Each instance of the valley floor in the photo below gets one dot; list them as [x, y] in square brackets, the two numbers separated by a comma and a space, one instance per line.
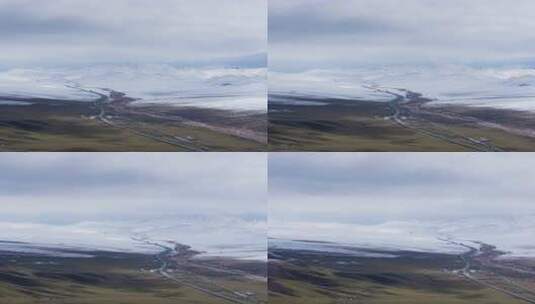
[407, 123]
[110, 277]
[300, 276]
[112, 123]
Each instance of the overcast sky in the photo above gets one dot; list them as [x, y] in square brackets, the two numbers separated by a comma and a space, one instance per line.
[64, 32]
[308, 34]
[374, 188]
[69, 187]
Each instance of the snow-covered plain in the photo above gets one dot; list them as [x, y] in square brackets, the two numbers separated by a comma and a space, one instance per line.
[507, 88]
[512, 235]
[213, 236]
[324, 84]
[237, 89]
[14, 103]
[346, 249]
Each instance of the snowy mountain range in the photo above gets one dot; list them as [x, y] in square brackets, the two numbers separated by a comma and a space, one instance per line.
[222, 236]
[513, 235]
[238, 89]
[510, 88]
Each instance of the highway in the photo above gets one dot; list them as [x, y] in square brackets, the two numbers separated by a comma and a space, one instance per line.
[407, 108]
[104, 101]
[181, 257]
[485, 273]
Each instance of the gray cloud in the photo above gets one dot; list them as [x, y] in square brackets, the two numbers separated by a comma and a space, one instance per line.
[83, 32]
[354, 33]
[91, 186]
[312, 24]
[15, 24]
[364, 188]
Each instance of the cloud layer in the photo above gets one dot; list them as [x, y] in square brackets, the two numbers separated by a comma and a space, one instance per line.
[341, 33]
[56, 188]
[376, 188]
[83, 32]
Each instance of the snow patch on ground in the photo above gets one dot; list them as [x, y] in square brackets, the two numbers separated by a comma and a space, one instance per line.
[220, 88]
[507, 88]
[391, 236]
[39, 84]
[346, 249]
[213, 236]
[14, 103]
[512, 235]
[43, 250]
[324, 84]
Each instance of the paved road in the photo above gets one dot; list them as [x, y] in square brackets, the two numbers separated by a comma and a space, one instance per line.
[402, 112]
[168, 253]
[104, 100]
[486, 277]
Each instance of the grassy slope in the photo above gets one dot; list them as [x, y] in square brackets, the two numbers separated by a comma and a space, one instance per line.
[375, 281]
[64, 128]
[109, 279]
[361, 126]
